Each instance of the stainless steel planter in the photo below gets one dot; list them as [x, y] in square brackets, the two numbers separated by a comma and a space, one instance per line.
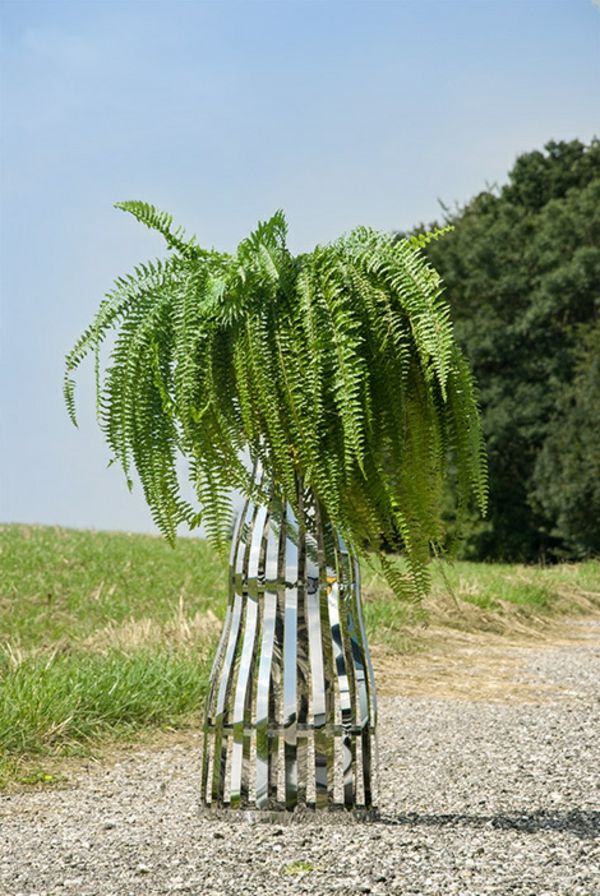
[291, 711]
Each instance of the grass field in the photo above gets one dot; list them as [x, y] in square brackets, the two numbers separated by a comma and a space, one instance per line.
[106, 636]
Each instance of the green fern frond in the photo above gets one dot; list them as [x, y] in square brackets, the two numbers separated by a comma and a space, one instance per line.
[161, 221]
[422, 240]
[336, 370]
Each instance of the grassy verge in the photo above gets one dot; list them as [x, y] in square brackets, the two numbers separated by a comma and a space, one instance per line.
[102, 636]
[106, 636]
[495, 597]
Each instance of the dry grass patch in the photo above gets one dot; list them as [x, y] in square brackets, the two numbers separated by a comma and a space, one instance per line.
[184, 630]
[456, 664]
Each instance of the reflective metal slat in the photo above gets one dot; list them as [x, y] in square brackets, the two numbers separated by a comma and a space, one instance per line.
[290, 641]
[247, 652]
[318, 708]
[236, 586]
[265, 663]
[302, 661]
[324, 744]
[343, 689]
[368, 711]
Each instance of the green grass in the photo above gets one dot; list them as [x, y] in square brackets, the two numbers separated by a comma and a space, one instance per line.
[562, 587]
[503, 591]
[109, 635]
[64, 584]
[299, 867]
[102, 635]
[77, 697]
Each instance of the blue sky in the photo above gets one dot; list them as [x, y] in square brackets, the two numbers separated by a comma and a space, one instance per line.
[341, 113]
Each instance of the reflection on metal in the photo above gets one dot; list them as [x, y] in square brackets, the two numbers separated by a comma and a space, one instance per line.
[291, 710]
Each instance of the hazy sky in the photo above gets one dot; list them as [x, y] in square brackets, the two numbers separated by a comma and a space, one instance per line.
[340, 112]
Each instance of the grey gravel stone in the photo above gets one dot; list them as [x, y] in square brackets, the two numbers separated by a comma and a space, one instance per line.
[476, 798]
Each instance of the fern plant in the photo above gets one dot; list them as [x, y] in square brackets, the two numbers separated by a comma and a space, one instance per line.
[336, 368]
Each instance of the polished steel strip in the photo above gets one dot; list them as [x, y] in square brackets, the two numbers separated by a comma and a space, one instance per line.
[318, 703]
[250, 716]
[276, 743]
[368, 713]
[209, 714]
[241, 584]
[262, 700]
[361, 697]
[326, 745]
[290, 642]
[210, 701]
[343, 689]
[361, 622]
[207, 766]
[247, 652]
[265, 663]
[207, 747]
[358, 654]
[220, 747]
[303, 669]
[345, 574]
[318, 707]
[219, 654]
[240, 700]
[256, 582]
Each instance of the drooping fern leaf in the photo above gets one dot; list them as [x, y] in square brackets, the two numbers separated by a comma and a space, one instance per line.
[336, 369]
[161, 221]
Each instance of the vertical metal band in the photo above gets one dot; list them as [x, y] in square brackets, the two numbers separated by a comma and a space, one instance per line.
[246, 656]
[210, 714]
[220, 750]
[276, 759]
[318, 706]
[302, 662]
[265, 662]
[210, 711]
[290, 641]
[262, 700]
[345, 579]
[220, 747]
[343, 690]
[368, 699]
[221, 646]
[327, 740]
[365, 644]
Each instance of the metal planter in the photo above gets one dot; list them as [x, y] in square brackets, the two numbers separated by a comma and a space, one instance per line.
[291, 710]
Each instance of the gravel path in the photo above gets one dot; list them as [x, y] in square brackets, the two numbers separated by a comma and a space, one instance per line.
[478, 797]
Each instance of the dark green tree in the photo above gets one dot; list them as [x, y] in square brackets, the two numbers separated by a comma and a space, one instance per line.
[567, 471]
[522, 272]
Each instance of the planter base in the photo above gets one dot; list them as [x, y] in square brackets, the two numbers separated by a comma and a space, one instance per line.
[305, 815]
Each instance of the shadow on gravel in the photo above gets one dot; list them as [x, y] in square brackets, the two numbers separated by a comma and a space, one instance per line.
[585, 825]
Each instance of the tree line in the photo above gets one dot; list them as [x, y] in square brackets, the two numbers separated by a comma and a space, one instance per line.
[522, 275]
